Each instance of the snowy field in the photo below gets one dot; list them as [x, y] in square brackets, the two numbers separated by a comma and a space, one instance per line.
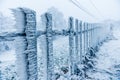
[108, 60]
[7, 65]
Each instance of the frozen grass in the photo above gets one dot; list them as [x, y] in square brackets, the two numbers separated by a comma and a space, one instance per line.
[108, 61]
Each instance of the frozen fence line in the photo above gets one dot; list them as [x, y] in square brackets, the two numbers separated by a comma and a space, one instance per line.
[85, 35]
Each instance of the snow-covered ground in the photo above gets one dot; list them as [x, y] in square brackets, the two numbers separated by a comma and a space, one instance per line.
[7, 64]
[108, 60]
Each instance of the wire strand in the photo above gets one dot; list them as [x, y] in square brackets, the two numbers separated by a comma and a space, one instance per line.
[96, 8]
[83, 9]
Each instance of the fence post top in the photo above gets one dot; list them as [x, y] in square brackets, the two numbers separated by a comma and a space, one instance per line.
[76, 19]
[47, 14]
[84, 24]
[48, 17]
[24, 10]
[71, 18]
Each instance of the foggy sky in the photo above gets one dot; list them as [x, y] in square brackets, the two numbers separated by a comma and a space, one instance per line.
[108, 9]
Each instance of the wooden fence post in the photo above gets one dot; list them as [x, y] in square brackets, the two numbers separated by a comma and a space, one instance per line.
[95, 35]
[94, 39]
[92, 32]
[87, 37]
[31, 49]
[71, 45]
[81, 53]
[76, 41]
[84, 39]
[49, 43]
[92, 35]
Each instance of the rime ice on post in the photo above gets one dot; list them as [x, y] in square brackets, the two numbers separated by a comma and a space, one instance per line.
[76, 41]
[20, 45]
[87, 37]
[84, 25]
[49, 41]
[26, 46]
[71, 46]
[80, 26]
[91, 34]
[31, 52]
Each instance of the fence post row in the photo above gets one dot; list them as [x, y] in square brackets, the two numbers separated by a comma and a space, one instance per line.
[84, 36]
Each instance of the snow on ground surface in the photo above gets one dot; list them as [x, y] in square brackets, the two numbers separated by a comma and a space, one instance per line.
[108, 60]
[7, 65]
